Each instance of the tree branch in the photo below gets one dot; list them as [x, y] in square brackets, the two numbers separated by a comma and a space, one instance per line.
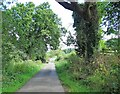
[66, 5]
[73, 6]
[77, 8]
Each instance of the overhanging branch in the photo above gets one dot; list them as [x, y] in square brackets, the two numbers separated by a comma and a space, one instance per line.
[66, 5]
[77, 8]
[73, 6]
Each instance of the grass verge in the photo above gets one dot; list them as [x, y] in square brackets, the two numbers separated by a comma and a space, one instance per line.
[101, 76]
[66, 78]
[21, 74]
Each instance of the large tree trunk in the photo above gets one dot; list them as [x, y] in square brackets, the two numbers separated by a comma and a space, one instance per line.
[86, 23]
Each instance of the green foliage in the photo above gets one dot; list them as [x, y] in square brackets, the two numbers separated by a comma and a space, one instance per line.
[30, 29]
[111, 17]
[113, 44]
[73, 58]
[10, 52]
[109, 14]
[66, 76]
[69, 50]
[102, 75]
[27, 31]
[102, 45]
[38, 62]
[57, 54]
[70, 39]
[16, 74]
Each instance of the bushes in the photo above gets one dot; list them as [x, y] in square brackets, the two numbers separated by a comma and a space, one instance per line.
[108, 68]
[57, 54]
[73, 58]
[38, 62]
[101, 75]
[25, 67]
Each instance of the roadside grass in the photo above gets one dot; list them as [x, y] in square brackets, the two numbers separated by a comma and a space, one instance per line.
[20, 74]
[101, 76]
[67, 80]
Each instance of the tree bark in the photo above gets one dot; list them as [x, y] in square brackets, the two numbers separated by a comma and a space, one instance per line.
[87, 15]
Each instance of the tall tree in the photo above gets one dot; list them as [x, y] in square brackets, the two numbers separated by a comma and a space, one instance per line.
[86, 23]
[30, 29]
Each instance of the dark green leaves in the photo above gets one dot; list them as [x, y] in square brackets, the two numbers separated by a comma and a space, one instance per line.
[111, 17]
[30, 29]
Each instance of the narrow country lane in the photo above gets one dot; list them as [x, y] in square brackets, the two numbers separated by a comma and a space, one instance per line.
[45, 81]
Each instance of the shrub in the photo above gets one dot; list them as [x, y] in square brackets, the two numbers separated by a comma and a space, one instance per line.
[101, 75]
[38, 62]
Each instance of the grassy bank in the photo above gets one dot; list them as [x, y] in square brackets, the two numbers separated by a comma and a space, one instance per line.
[66, 78]
[102, 75]
[16, 74]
